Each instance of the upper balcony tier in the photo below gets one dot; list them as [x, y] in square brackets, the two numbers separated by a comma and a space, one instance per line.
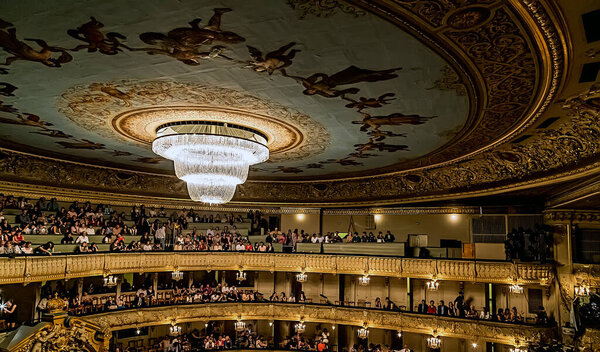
[58, 267]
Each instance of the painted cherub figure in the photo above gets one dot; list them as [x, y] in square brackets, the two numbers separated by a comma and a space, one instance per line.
[91, 33]
[21, 51]
[272, 61]
[395, 119]
[325, 85]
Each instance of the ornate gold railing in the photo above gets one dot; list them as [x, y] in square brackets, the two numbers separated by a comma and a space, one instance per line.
[42, 268]
[409, 322]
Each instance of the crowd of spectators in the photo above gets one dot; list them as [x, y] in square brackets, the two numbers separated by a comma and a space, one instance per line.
[291, 238]
[156, 229]
[463, 309]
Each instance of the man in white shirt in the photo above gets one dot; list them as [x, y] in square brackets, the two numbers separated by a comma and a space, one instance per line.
[240, 247]
[90, 230]
[83, 238]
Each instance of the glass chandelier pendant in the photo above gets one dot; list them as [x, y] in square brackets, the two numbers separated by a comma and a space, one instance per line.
[211, 157]
[434, 342]
[240, 326]
[363, 332]
[110, 281]
[301, 277]
[300, 327]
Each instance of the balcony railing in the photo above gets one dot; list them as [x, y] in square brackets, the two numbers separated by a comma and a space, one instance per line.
[60, 267]
[506, 333]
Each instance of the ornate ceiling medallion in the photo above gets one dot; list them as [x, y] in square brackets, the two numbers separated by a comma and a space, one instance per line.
[129, 110]
[211, 157]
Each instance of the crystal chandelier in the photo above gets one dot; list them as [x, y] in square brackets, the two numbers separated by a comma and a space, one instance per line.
[434, 342]
[363, 332]
[211, 157]
[364, 280]
[175, 330]
[582, 290]
[110, 281]
[240, 276]
[516, 288]
[300, 327]
[240, 325]
[433, 285]
[301, 277]
[177, 275]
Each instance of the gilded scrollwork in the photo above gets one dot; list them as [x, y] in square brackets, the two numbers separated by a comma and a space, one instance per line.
[408, 322]
[324, 8]
[57, 267]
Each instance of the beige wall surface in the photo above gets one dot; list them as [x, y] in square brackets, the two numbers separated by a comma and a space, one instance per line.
[307, 222]
[437, 226]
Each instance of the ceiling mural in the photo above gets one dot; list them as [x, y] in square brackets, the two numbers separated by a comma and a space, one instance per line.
[370, 95]
[402, 101]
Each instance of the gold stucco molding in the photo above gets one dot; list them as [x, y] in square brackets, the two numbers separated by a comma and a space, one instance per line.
[408, 322]
[63, 267]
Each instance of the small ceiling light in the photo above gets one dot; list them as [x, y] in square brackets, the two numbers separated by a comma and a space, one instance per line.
[399, 334]
[474, 344]
[300, 216]
[301, 277]
[453, 217]
[138, 331]
[270, 323]
[364, 280]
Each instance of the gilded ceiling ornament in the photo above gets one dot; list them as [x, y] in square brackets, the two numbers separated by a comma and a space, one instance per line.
[272, 61]
[450, 81]
[131, 111]
[323, 8]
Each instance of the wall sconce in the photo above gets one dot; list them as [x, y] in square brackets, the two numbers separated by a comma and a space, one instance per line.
[300, 217]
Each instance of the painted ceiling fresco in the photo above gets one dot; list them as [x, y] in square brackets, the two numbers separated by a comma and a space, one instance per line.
[356, 92]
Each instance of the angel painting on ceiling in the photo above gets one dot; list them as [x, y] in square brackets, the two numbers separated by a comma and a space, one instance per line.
[91, 33]
[20, 50]
[326, 85]
[186, 44]
[272, 61]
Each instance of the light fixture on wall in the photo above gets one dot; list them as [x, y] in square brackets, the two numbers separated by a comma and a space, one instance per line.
[240, 276]
[110, 281]
[364, 280]
[211, 157]
[433, 285]
[517, 349]
[300, 327]
[301, 277]
[582, 290]
[516, 289]
[240, 325]
[434, 342]
[177, 275]
[300, 217]
[363, 332]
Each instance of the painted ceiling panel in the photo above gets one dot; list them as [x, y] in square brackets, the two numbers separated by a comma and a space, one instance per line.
[366, 90]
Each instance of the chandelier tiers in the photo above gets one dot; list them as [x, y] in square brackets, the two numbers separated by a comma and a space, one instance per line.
[211, 157]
